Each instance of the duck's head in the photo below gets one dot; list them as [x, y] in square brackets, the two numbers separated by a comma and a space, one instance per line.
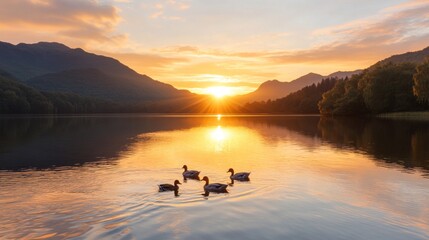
[231, 170]
[177, 182]
[185, 167]
[205, 178]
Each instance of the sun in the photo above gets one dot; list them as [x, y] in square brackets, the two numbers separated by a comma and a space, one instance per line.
[219, 91]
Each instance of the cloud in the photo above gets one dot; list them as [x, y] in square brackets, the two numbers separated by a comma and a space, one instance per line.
[194, 74]
[146, 61]
[225, 67]
[67, 20]
[253, 58]
[396, 29]
[165, 9]
[393, 30]
[178, 49]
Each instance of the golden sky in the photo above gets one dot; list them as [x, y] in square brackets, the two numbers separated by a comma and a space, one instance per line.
[234, 44]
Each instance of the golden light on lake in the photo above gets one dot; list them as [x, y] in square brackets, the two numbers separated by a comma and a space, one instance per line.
[219, 134]
[219, 137]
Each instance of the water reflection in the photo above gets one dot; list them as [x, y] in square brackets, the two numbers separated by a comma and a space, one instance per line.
[72, 141]
[46, 142]
[390, 142]
[96, 177]
[220, 137]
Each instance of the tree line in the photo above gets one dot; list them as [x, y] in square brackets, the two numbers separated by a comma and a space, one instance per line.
[17, 98]
[383, 88]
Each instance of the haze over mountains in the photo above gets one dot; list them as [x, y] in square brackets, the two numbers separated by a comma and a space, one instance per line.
[57, 68]
[274, 89]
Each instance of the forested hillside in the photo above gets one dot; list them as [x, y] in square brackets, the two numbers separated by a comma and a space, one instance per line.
[18, 98]
[385, 87]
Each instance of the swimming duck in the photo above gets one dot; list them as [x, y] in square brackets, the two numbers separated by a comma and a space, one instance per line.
[242, 176]
[190, 173]
[214, 187]
[168, 187]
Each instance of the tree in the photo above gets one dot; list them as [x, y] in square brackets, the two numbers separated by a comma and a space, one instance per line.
[421, 82]
[344, 99]
[388, 87]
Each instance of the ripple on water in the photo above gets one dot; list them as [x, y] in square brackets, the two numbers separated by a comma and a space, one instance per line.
[299, 188]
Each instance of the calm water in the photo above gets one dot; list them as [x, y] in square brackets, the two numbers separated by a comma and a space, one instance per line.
[96, 177]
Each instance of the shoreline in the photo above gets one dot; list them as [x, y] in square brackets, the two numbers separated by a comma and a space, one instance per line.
[418, 116]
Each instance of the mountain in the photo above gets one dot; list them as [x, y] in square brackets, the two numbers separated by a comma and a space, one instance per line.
[17, 97]
[413, 57]
[275, 89]
[56, 67]
[93, 82]
[303, 101]
[341, 74]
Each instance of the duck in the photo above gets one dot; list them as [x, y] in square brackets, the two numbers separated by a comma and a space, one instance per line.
[190, 173]
[168, 187]
[241, 176]
[214, 187]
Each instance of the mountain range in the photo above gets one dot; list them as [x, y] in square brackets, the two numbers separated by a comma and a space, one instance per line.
[57, 68]
[275, 89]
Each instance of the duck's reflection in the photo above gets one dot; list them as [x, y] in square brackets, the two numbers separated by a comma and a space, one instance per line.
[206, 193]
[231, 183]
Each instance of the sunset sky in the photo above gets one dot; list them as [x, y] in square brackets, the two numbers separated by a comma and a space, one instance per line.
[237, 44]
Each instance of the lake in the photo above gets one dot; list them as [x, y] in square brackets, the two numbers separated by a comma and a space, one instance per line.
[96, 177]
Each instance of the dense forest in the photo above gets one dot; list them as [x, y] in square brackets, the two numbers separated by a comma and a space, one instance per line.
[17, 98]
[382, 88]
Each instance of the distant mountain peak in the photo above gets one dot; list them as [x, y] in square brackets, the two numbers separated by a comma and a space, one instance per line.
[274, 89]
[268, 83]
[311, 74]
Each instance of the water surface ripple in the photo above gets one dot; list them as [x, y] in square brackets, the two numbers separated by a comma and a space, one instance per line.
[87, 177]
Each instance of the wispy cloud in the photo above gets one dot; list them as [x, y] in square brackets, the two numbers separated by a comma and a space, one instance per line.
[76, 21]
[165, 9]
[394, 30]
[146, 63]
